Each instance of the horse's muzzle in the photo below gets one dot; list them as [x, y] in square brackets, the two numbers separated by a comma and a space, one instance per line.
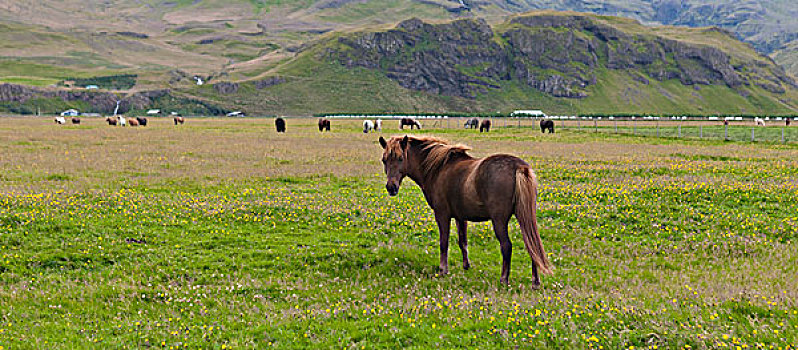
[392, 189]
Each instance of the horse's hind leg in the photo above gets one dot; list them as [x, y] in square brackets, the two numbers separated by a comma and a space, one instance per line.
[462, 240]
[500, 229]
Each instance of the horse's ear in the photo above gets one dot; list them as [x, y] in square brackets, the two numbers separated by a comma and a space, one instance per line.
[383, 143]
[403, 143]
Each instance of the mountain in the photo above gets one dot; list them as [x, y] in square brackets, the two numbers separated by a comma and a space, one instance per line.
[276, 56]
[563, 61]
[214, 35]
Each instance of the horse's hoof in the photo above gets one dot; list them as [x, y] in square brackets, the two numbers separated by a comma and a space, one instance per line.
[536, 285]
[504, 281]
[443, 272]
[466, 265]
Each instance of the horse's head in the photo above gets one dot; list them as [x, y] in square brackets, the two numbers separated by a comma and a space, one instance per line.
[394, 159]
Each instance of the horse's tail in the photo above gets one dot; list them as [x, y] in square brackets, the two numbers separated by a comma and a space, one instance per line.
[526, 193]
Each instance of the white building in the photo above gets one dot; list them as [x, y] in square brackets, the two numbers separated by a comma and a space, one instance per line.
[70, 113]
[532, 113]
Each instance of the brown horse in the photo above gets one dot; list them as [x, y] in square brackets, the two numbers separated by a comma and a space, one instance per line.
[75, 120]
[547, 124]
[179, 120]
[409, 122]
[111, 121]
[460, 187]
[132, 121]
[324, 124]
[485, 126]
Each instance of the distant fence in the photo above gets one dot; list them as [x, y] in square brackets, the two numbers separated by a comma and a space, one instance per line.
[731, 128]
[775, 129]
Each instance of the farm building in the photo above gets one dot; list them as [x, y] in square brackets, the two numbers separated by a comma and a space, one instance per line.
[154, 112]
[533, 113]
[70, 113]
[92, 87]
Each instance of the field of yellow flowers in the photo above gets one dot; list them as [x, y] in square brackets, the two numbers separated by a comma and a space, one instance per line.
[222, 234]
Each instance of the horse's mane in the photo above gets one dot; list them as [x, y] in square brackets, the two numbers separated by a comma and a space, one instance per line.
[436, 152]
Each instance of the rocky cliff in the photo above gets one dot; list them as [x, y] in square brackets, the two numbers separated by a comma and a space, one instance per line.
[101, 102]
[26, 100]
[560, 55]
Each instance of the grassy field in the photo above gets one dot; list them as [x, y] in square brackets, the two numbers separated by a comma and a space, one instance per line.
[223, 234]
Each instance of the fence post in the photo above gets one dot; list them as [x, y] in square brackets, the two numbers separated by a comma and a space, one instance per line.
[615, 122]
[700, 131]
[680, 131]
[634, 126]
[752, 134]
[782, 135]
[595, 125]
[726, 132]
[657, 127]
[578, 124]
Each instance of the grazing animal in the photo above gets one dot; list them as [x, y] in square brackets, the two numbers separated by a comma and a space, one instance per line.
[759, 121]
[122, 120]
[378, 124]
[132, 122]
[460, 187]
[280, 124]
[787, 122]
[111, 121]
[142, 121]
[368, 125]
[324, 124]
[471, 123]
[76, 120]
[547, 124]
[485, 126]
[179, 120]
[60, 120]
[410, 122]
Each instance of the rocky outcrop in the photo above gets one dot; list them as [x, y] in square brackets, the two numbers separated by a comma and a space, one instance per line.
[555, 54]
[101, 102]
[432, 58]
[226, 88]
[270, 81]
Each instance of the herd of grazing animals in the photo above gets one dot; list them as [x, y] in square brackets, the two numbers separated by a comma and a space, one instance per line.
[119, 120]
[324, 123]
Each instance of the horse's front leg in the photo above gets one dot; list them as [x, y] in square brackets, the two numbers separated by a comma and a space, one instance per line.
[444, 223]
[462, 240]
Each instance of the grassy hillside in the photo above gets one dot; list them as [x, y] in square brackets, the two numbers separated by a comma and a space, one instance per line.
[787, 57]
[767, 24]
[314, 84]
[245, 41]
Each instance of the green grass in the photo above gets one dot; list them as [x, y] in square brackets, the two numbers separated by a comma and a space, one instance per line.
[294, 243]
[21, 70]
[30, 81]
